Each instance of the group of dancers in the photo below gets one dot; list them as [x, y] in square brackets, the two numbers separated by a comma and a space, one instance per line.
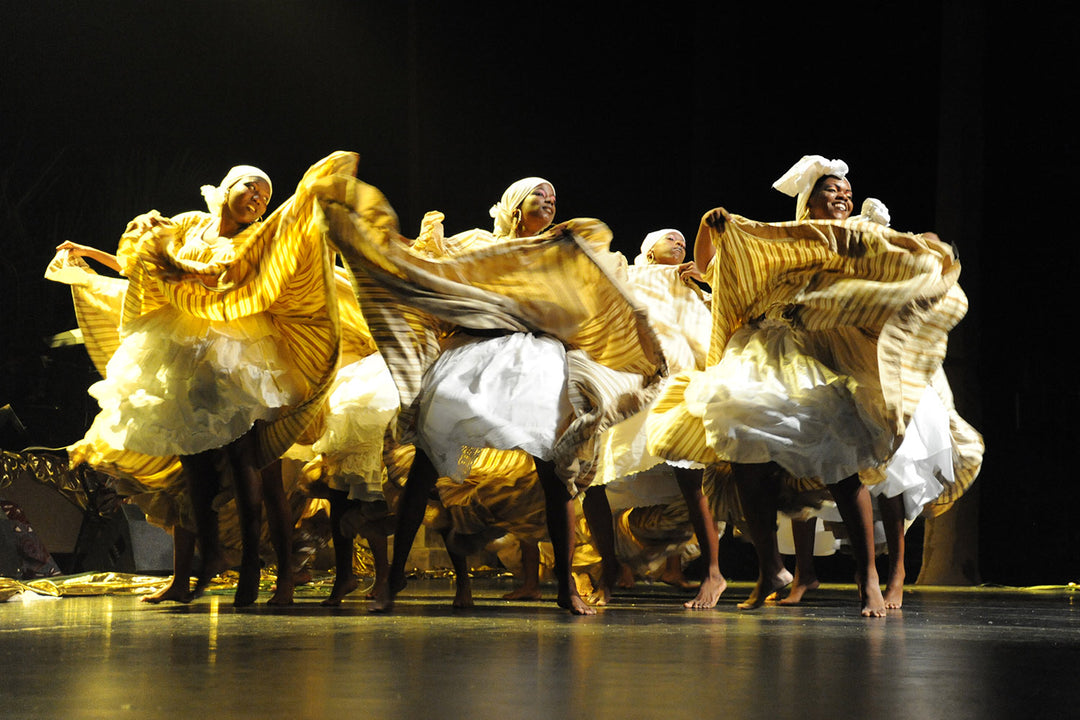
[787, 370]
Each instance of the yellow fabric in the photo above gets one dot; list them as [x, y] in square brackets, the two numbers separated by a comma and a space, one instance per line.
[557, 283]
[502, 491]
[878, 303]
[280, 267]
[679, 313]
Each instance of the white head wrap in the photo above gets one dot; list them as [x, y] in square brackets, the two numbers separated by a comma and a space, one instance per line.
[503, 211]
[874, 209]
[215, 196]
[799, 180]
[650, 240]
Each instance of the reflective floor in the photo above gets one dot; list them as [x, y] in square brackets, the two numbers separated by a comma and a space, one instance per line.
[948, 654]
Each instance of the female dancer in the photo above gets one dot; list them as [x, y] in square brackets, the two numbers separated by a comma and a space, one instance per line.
[938, 443]
[345, 464]
[825, 333]
[156, 485]
[453, 316]
[679, 313]
[229, 342]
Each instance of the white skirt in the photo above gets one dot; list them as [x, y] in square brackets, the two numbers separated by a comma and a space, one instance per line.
[178, 385]
[362, 402]
[917, 472]
[770, 399]
[923, 463]
[505, 393]
[624, 454]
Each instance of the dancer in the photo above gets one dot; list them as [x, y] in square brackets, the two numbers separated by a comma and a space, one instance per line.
[229, 340]
[938, 443]
[825, 333]
[345, 464]
[156, 485]
[455, 318]
[679, 313]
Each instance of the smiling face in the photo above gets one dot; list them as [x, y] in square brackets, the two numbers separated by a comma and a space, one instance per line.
[830, 199]
[246, 201]
[537, 211]
[668, 250]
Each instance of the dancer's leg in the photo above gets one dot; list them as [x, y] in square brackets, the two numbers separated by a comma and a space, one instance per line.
[597, 511]
[854, 503]
[280, 521]
[803, 533]
[701, 518]
[249, 498]
[344, 579]
[179, 587]
[560, 520]
[530, 573]
[759, 489]
[410, 515]
[462, 579]
[203, 486]
[892, 516]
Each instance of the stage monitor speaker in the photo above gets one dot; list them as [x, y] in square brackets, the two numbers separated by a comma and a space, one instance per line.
[122, 542]
[10, 564]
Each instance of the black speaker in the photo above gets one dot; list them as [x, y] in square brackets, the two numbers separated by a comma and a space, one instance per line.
[122, 542]
[10, 565]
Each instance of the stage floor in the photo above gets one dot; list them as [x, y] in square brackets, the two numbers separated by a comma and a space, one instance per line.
[947, 654]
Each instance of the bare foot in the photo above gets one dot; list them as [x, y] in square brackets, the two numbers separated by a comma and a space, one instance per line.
[575, 604]
[765, 587]
[384, 596]
[247, 588]
[283, 593]
[708, 593]
[210, 570]
[175, 591]
[463, 596]
[873, 604]
[679, 582]
[610, 573]
[376, 587]
[894, 590]
[343, 585]
[600, 597]
[525, 592]
[673, 575]
[798, 589]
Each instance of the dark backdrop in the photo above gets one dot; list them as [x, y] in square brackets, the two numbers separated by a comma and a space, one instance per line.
[954, 113]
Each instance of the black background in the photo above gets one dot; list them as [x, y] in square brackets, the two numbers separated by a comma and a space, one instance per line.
[958, 115]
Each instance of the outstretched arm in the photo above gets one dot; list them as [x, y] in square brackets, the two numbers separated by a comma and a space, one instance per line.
[100, 256]
[712, 223]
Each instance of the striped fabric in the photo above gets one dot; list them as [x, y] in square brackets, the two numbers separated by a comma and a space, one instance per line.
[877, 303]
[558, 284]
[280, 267]
[502, 491]
[679, 313]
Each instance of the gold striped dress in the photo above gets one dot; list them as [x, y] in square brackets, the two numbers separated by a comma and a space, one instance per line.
[825, 336]
[679, 313]
[558, 287]
[219, 333]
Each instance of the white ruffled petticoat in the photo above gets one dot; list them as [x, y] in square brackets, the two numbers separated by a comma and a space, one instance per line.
[362, 402]
[179, 385]
[505, 393]
[770, 399]
[924, 459]
[918, 471]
